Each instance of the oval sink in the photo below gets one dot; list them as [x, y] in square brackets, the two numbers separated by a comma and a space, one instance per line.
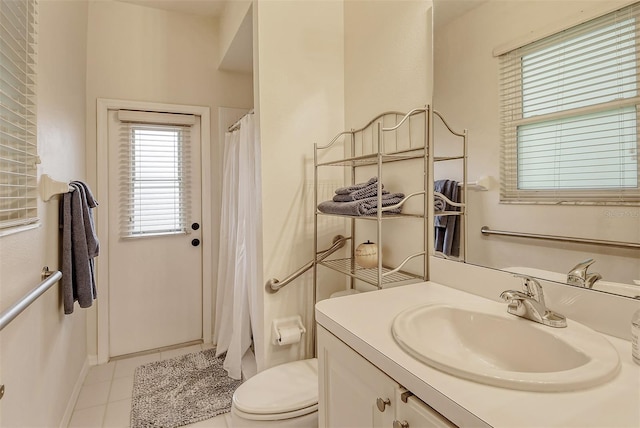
[488, 345]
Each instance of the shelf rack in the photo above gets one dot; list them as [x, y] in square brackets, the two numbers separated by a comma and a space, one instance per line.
[464, 188]
[389, 137]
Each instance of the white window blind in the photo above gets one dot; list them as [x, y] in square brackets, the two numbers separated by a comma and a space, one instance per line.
[570, 114]
[155, 173]
[18, 145]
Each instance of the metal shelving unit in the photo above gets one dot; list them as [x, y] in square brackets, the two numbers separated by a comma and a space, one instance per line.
[388, 137]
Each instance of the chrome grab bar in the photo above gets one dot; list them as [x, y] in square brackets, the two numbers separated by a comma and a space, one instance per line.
[274, 285]
[486, 231]
[9, 314]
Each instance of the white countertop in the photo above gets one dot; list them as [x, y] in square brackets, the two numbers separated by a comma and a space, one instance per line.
[363, 322]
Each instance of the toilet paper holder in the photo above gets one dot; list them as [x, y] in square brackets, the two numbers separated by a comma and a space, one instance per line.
[286, 331]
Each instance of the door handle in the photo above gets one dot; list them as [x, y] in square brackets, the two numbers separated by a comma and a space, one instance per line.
[195, 242]
[195, 226]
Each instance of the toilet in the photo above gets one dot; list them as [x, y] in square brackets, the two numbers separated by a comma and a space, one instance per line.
[282, 396]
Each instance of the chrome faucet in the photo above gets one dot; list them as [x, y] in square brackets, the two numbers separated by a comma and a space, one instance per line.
[578, 275]
[530, 304]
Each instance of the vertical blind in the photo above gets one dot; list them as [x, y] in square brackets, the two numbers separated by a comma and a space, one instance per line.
[570, 113]
[18, 144]
[155, 173]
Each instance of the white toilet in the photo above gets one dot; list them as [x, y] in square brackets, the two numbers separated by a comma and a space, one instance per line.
[282, 396]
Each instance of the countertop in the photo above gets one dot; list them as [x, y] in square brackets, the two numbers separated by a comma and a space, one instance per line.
[363, 322]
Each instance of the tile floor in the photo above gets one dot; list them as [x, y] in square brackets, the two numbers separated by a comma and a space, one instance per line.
[105, 397]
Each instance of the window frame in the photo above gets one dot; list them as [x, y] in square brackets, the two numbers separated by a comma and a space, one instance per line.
[513, 117]
[18, 122]
[130, 123]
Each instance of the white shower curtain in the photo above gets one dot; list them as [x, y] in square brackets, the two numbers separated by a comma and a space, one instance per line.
[239, 262]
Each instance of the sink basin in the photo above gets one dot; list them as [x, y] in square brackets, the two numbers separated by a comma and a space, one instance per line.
[489, 346]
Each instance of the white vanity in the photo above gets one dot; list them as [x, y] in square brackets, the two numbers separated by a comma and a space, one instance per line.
[367, 379]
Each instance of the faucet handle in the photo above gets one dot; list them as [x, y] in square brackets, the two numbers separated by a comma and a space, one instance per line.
[531, 287]
[580, 270]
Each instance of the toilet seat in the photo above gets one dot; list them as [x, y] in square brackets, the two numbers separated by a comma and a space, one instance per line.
[281, 392]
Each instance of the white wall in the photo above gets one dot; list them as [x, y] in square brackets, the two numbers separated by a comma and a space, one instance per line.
[388, 67]
[467, 92]
[42, 352]
[299, 101]
[236, 36]
[144, 54]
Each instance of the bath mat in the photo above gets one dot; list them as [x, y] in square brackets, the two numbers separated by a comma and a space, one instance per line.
[180, 391]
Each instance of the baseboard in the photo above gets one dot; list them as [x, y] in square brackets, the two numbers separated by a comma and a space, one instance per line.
[68, 412]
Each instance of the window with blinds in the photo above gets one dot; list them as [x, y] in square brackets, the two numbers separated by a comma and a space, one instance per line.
[570, 114]
[18, 145]
[155, 173]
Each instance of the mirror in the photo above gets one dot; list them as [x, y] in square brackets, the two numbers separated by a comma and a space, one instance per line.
[466, 91]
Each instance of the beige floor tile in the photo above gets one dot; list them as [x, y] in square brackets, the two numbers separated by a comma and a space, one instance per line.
[118, 414]
[121, 388]
[101, 373]
[216, 422]
[165, 355]
[93, 395]
[126, 367]
[88, 418]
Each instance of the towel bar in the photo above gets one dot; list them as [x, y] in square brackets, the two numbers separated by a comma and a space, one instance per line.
[486, 231]
[9, 314]
[274, 285]
[50, 187]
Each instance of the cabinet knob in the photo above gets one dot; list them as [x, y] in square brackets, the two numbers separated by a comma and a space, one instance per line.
[398, 424]
[383, 403]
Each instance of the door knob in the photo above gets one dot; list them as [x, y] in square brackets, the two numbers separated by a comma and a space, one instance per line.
[195, 226]
[383, 403]
[398, 424]
[195, 242]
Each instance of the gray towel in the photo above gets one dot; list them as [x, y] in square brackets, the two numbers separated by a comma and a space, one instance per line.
[362, 207]
[447, 228]
[79, 246]
[366, 192]
[349, 189]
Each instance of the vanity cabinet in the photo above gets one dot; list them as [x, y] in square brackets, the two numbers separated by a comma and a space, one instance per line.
[354, 393]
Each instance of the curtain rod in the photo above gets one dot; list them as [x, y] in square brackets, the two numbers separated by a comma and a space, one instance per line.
[236, 125]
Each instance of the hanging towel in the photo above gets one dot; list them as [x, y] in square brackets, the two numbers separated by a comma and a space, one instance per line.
[447, 228]
[362, 207]
[80, 246]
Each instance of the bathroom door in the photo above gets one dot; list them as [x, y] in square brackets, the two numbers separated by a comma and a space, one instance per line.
[155, 276]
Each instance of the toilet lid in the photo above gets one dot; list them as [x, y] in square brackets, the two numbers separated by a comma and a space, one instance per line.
[280, 389]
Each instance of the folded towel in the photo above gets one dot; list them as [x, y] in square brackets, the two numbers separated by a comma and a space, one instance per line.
[349, 189]
[366, 192]
[362, 207]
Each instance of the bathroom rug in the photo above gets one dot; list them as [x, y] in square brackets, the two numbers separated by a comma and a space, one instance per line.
[181, 390]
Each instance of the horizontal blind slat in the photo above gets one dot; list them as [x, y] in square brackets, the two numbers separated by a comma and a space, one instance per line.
[18, 145]
[155, 176]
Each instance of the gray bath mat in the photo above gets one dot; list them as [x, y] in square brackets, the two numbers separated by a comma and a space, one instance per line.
[181, 391]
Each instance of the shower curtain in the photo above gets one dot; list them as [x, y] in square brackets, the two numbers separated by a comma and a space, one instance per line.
[239, 262]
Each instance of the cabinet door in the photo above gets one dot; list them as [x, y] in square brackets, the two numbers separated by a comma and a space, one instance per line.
[414, 413]
[351, 388]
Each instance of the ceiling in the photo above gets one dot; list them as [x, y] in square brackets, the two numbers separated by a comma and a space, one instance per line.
[210, 8]
[445, 11]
